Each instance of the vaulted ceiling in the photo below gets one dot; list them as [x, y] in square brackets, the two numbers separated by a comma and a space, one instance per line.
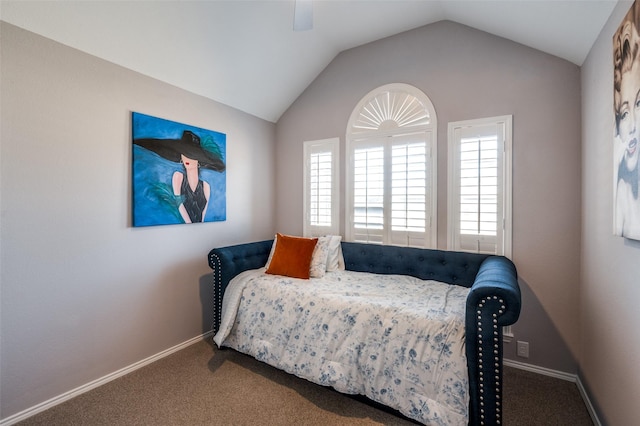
[245, 54]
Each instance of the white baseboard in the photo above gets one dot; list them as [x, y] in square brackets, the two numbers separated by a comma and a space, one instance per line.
[559, 375]
[590, 408]
[98, 382]
[541, 370]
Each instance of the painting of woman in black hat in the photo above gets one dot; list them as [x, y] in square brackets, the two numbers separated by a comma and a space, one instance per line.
[178, 173]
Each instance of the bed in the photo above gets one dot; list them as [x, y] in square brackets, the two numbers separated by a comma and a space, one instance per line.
[417, 330]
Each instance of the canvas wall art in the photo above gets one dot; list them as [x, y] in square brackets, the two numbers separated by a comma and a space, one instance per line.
[179, 172]
[626, 104]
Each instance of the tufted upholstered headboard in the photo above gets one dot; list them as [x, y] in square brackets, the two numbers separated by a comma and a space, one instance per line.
[236, 259]
[444, 266]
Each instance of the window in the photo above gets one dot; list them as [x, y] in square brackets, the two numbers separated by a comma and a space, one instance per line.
[321, 187]
[391, 168]
[480, 185]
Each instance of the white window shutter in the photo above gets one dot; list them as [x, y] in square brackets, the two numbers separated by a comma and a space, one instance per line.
[321, 198]
[480, 185]
[410, 190]
[368, 192]
[391, 168]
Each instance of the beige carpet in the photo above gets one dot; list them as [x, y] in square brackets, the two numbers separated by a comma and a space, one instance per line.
[201, 385]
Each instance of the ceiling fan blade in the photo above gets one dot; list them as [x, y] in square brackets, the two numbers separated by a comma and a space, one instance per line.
[303, 15]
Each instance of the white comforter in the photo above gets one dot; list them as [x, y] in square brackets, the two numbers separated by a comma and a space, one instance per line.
[396, 339]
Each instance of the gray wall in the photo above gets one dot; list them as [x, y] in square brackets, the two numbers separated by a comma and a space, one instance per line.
[470, 74]
[610, 288]
[83, 293]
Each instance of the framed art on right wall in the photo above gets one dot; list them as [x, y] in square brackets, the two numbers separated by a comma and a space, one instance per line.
[626, 105]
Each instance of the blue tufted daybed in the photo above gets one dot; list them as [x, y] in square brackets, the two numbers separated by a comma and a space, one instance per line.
[493, 301]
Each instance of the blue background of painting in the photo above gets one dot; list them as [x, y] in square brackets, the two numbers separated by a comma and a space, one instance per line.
[152, 174]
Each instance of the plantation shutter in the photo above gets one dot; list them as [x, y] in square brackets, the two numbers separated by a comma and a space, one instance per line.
[391, 186]
[410, 190]
[368, 192]
[477, 187]
[320, 190]
[321, 202]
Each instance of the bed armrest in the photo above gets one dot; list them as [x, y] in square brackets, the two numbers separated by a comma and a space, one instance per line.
[493, 302]
[227, 262]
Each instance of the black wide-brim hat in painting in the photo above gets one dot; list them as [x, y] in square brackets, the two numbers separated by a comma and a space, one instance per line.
[189, 146]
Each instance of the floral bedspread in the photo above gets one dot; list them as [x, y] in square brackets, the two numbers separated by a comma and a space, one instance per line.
[398, 340]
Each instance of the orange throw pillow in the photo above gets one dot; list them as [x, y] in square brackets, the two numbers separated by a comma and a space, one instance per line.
[292, 257]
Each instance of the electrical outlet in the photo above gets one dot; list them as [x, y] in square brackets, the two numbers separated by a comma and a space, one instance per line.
[523, 349]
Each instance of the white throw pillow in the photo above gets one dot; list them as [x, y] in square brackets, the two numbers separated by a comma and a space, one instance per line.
[319, 257]
[335, 260]
[273, 250]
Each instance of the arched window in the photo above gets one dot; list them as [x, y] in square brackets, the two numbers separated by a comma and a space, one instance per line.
[391, 168]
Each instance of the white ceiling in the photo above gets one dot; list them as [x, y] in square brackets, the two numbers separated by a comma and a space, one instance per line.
[246, 55]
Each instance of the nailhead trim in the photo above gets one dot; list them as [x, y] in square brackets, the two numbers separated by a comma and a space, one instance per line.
[217, 274]
[496, 351]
